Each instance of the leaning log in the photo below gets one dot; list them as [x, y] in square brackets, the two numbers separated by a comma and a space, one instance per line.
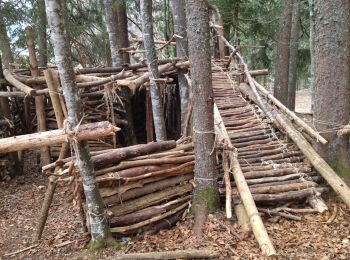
[17, 84]
[258, 227]
[89, 131]
[338, 185]
[295, 118]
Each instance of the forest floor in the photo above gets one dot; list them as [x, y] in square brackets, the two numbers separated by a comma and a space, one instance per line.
[64, 238]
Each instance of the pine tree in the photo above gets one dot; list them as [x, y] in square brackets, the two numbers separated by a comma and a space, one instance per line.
[205, 199]
[332, 78]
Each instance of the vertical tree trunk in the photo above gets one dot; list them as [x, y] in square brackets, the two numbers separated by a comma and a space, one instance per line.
[123, 28]
[98, 222]
[179, 17]
[7, 57]
[312, 54]
[157, 103]
[41, 32]
[117, 27]
[332, 77]
[293, 59]
[39, 100]
[113, 31]
[282, 59]
[205, 199]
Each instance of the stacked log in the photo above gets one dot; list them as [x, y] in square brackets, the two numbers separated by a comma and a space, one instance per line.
[144, 187]
[275, 169]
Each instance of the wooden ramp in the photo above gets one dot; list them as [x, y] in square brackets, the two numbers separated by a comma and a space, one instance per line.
[274, 167]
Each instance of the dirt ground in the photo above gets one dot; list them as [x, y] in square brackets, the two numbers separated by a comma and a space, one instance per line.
[64, 238]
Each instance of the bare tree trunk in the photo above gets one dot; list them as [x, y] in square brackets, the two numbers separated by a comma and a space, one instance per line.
[293, 53]
[41, 32]
[123, 28]
[312, 53]
[332, 77]
[98, 221]
[7, 57]
[117, 27]
[113, 32]
[157, 103]
[206, 197]
[282, 59]
[179, 17]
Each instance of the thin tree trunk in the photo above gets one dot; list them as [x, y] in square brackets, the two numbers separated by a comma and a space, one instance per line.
[123, 28]
[293, 59]
[117, 27]
[157, 102]
[179, 17]
[282, 59]
[205, 199]
[312, 54]
[98, 221]
[332, 78]
[113, 31]
[7, 57]
[41, 32]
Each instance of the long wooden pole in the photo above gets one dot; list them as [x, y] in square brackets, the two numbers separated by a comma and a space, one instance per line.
[39, 100]
[338, 185]
[258, 227]
[37, 140]
[295, 118]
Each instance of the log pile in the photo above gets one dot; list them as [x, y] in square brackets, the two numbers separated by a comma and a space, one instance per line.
[144, 187]
[102, 95]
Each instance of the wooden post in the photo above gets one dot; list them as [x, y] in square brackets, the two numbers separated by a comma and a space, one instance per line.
[53, 86]
[39, 100]
[338, 185]
[45, 209]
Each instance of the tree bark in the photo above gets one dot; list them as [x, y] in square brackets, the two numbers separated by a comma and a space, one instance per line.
[179, 17]
[293, 53]
[7, 57]
[41, 33]
[157, 103]
[98, 222]
[282, 59]
[113, 31]
[332, 78]
[203, 109]
[312, 53]
[123, 28]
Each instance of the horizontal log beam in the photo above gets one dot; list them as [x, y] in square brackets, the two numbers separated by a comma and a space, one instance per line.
[34, 141]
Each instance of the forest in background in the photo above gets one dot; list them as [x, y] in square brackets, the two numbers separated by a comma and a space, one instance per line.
[253, 22]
